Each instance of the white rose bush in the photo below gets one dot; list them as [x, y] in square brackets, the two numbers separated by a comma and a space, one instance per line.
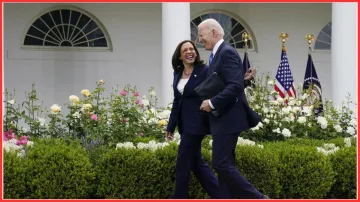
[97, 146]
[295, 117]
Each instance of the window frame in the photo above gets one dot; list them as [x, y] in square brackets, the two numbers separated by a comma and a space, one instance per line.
[316, 39]
[235, 17]
[109, 47]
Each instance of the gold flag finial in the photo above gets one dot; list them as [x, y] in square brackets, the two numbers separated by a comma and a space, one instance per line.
[246, 37]
[310, 38]
[283, 36]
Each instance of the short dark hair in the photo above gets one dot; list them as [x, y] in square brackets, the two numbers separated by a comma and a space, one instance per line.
[177, 64]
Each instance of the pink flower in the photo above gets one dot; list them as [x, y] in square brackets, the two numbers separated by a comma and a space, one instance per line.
[136, 94]
[123, 93]
[22, 141]
[137, 101]
[94, 117]
[9, 135]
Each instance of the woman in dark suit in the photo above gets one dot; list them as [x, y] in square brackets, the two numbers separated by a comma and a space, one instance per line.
[193, 123]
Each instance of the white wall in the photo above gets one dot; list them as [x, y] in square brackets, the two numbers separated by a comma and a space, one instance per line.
[135, 31]
[267, 21]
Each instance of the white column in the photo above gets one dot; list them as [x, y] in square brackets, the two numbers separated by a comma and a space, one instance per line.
[175, 28]
[344, 54]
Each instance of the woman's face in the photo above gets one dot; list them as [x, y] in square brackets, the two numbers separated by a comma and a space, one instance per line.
[188, 53]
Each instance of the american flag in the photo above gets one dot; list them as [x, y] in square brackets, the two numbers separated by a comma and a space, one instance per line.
[284, 82]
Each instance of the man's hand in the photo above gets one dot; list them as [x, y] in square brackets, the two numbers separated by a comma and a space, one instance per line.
[169, 135]
[205, 106]
[249, 74]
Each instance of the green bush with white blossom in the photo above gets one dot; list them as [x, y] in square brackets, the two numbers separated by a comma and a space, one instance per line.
[295, 117]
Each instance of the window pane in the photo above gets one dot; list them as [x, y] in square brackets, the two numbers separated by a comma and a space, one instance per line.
[323, 40]
[65, 16]
[323, 37]
[327, 29]
[215, 16]
[32, 41]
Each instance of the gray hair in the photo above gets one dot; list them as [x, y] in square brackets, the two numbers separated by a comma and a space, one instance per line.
[213, 24]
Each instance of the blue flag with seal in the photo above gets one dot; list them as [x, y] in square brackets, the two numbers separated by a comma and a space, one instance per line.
[246, 63]
[246, 67]
[312, 82]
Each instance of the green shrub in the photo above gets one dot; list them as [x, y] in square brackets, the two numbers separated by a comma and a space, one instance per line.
[316, 143]
[143, 140]
[57, 169]
[344, 164]
[15, 176]
[304, 173]
[63, 169]
[129, 174]
[259, 166]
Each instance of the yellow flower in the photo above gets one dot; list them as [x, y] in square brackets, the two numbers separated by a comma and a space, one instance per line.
[86, 107]
[85, 92]
[163, 123]
[74, 99]
[101, 81]
[55, 108]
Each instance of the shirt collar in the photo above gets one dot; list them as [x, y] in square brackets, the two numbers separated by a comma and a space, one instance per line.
[217, 45]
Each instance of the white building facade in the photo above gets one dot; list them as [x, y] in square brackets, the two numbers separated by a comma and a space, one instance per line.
[133, 44]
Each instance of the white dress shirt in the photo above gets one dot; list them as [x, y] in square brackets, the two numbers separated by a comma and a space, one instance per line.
[181, 85]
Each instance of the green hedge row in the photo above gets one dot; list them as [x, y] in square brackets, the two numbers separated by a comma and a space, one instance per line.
[288, 170]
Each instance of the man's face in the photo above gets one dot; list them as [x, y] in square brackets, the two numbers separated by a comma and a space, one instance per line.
[206, 37]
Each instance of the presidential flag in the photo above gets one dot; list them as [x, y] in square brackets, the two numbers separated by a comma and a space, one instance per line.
[246, 63]
[284, 83]
[246, 67]
[312, 82]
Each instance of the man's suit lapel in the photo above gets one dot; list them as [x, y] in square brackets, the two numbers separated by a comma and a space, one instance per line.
[211, 66]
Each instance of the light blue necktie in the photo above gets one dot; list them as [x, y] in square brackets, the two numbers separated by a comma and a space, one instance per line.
[211, 58]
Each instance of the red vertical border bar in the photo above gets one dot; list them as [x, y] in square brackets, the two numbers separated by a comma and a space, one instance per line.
[133, 1]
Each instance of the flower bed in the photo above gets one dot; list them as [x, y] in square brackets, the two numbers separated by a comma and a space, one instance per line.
[125, 115]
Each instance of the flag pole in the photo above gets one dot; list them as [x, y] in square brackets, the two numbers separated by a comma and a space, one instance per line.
[283, 37]
[310, 38]
[246, 37]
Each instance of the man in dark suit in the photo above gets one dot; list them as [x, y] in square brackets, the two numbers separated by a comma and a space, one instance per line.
[234, 110]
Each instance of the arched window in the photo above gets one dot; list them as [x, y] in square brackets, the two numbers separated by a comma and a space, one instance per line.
[67, 28]
[233, 29]
[323, 40]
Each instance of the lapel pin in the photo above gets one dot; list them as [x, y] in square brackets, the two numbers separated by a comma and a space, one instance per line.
[194, 75]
